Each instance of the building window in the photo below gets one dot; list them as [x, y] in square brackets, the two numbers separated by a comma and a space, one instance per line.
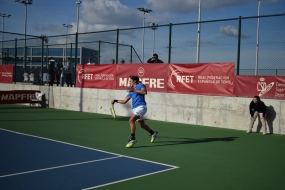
[68, 52]
[55, 51]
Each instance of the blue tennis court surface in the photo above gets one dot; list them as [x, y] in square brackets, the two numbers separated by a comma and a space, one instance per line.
[28, 162]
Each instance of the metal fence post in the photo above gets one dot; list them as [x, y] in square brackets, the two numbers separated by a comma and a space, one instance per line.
[117, 46]
[15, 66]
[169, 44]
[238, 48]
[75, 62]
[70, 51]
[42, 61]
[46, 58]
[99, 52]
[131, 60]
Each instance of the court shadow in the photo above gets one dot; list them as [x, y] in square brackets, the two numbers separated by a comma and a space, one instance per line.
[117, 118]
[183, 141]
[29, 111]
[22, 107]
[47, 120]
[270, 117]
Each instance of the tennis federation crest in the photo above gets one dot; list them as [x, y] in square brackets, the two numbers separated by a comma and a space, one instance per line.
[141, 72]
[262, 87]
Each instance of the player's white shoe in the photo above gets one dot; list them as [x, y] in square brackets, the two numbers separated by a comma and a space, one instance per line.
[131, 143]
[248, 131]
[153, 136]
[264, 133]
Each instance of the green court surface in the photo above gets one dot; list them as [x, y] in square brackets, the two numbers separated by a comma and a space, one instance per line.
[208, 158]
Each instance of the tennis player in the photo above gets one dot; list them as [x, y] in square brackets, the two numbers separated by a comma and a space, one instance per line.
[137, 92]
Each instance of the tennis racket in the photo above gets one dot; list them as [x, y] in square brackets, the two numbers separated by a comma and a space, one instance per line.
[113, 113]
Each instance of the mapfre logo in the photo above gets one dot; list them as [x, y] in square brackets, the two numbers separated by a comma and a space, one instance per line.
[141, 72]
[262, 87]
[151, 82]
[180, 78]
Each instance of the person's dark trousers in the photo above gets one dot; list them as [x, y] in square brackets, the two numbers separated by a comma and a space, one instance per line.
[51, 79]
[68, 79]
[57, 79]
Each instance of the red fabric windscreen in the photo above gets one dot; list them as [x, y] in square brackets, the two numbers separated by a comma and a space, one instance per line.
[154, 76]
[6, 74]
[209, 79]
[265, 87]
[96, 76]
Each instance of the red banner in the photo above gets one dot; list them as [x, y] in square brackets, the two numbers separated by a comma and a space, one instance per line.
[6, 74]
[96, 76]
[265, 87]
[16, 96]
[210, 79]
[154, 76]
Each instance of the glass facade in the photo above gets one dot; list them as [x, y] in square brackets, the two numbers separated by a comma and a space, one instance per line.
[20, 51]
[68, 52]
[55, 51]
[38, 52]
[34, 55]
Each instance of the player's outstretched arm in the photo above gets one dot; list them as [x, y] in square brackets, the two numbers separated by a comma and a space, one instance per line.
[121, 101]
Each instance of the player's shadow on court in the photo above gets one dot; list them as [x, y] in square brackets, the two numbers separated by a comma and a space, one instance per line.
[182, 141]
[55, 119]
[270, 117]
[118, 118]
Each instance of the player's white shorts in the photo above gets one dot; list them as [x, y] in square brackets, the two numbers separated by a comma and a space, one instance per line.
[140, 111]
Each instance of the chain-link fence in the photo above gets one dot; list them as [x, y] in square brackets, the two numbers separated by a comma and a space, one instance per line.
[255, 44]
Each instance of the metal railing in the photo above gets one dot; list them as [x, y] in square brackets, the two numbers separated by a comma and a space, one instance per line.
[225, 40]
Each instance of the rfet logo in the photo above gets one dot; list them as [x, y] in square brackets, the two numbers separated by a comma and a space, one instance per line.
[141, 72]
[262, 87]
[82, 75]
[180, 78]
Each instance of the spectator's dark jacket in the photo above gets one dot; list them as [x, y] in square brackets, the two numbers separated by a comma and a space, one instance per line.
[59, 67]
[260, 108]
[151, 60]
[51, 66]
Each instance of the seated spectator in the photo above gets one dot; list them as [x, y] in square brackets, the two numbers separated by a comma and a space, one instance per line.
[32, 75]
[122, 61]
[90, 61]
[154, 59]
[112, 61]
[26, 76]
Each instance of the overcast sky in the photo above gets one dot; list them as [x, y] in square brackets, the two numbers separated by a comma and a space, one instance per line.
[47, 16]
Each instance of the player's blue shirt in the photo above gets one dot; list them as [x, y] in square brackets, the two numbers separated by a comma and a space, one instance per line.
[137, 99]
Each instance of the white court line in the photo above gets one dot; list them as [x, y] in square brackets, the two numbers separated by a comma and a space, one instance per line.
[128, 179]
[56, 167]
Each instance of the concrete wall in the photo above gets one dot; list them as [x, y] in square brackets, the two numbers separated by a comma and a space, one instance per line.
[215, 111]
